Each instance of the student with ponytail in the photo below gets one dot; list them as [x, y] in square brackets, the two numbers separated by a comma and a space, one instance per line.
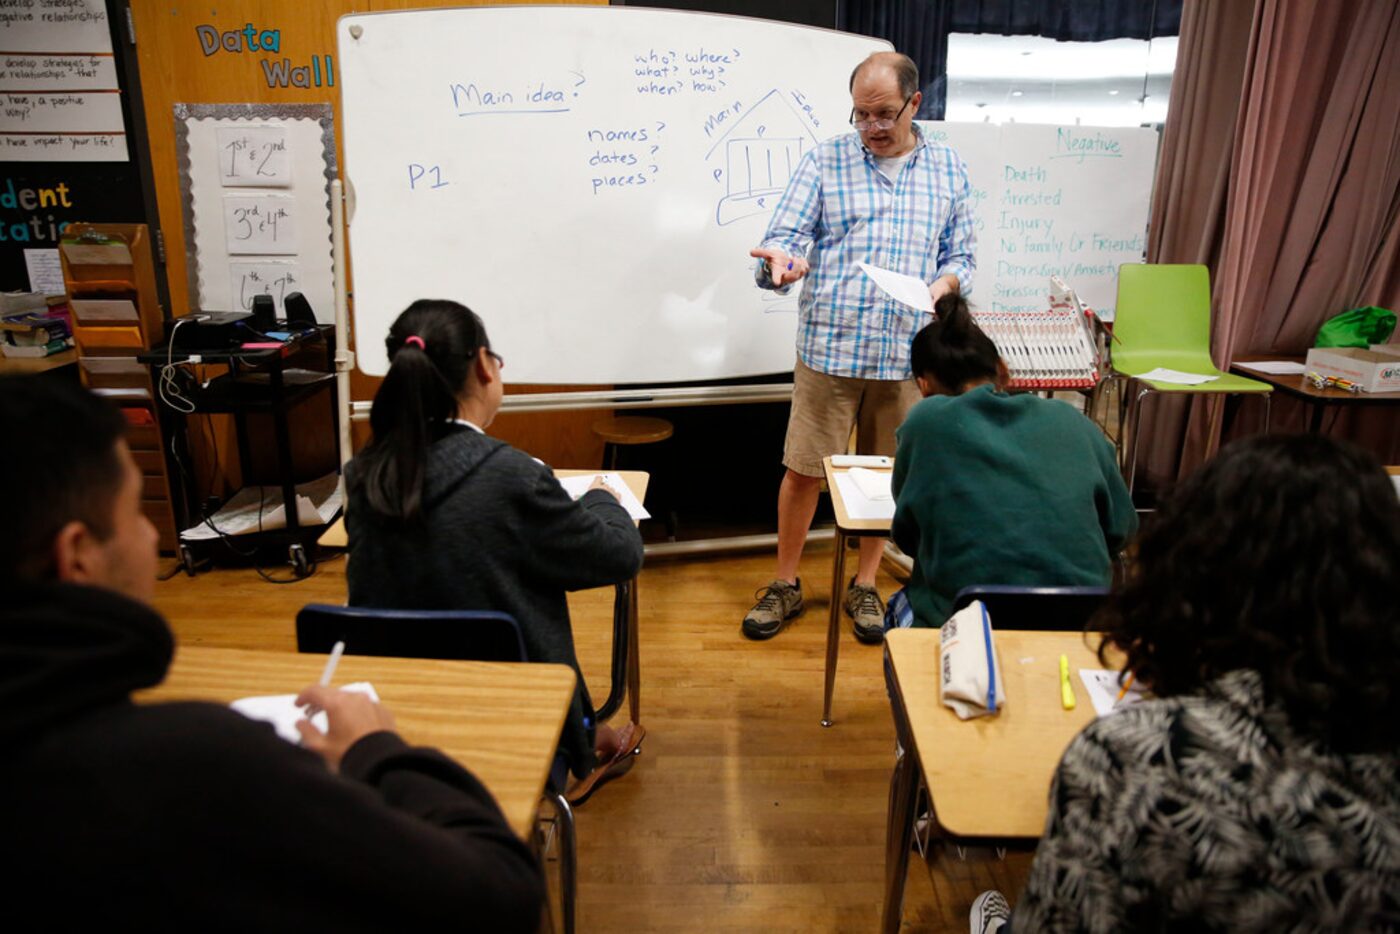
[995, 488]
[443, 516]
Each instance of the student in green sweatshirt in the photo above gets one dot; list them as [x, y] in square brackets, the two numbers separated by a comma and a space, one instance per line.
[995, 488]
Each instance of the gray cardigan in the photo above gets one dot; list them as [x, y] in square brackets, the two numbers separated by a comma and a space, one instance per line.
[500, 534]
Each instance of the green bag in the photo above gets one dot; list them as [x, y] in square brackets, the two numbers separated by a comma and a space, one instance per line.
[1360, 327]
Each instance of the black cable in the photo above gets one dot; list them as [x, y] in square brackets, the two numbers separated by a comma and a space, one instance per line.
[311, 565]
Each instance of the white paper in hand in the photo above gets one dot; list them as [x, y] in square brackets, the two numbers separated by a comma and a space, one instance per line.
[577, 486]
[906, 290]
[282, 712]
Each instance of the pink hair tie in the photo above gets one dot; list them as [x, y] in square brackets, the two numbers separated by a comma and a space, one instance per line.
[416, 340]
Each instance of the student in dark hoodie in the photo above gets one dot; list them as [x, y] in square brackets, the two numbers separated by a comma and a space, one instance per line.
[442, 516]
[187, 816]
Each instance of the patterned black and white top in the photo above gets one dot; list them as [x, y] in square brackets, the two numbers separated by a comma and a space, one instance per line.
[1207, 812]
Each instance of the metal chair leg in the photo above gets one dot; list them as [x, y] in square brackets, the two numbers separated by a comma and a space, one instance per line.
[634, 656]
[1135, 418]
[624, 615]
[568, 857]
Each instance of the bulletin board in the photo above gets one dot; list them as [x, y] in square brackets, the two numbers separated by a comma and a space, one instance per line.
[255, 188]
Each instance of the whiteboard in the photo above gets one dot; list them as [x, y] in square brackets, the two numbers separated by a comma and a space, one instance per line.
[590, 180]
[1070, 201]
[587, 179]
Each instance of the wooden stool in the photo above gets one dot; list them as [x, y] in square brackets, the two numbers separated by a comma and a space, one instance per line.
[628, 430]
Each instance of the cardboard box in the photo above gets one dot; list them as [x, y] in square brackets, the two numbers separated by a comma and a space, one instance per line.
[1374, 369]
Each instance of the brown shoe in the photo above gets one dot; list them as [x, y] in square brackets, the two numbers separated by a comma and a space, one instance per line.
[629, 747]
[865, 608]
[777, 603]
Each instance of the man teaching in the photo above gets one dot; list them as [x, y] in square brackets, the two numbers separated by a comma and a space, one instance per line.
[887, 196]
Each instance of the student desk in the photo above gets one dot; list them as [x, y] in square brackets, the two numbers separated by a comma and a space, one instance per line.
[846, 527]
[500, 720]
[988, 778]
[626, 658]
[1297, 385]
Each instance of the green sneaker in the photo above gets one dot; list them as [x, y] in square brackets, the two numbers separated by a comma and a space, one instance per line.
[777, 603]
[864, 606]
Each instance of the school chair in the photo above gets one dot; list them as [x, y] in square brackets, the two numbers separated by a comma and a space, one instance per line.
[456, 635]
[1163, 320]
[1055, 609]
[619, 431]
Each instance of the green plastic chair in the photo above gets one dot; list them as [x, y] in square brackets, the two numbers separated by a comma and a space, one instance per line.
[1163, 320]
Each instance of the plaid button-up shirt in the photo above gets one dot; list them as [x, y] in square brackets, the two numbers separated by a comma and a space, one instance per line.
[838, 210]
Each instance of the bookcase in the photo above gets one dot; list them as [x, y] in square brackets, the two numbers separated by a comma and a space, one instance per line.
[109, 274]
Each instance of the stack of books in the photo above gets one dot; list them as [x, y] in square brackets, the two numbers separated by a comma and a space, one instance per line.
[29, 329]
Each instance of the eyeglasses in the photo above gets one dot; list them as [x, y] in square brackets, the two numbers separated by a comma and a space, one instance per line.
[883, 123]
[500, 360]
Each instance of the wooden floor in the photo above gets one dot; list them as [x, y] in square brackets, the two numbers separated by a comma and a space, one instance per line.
[742, 813]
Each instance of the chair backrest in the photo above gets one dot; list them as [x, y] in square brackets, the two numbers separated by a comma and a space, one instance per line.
[1162, 317]
[476, 635]
[1058, 609]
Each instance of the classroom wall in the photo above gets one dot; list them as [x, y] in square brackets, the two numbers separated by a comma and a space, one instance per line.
[175, 68]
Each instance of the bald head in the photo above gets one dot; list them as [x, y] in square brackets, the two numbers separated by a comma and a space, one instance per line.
[906, 73]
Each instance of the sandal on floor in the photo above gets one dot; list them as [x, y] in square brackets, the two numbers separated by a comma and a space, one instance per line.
[631, 737]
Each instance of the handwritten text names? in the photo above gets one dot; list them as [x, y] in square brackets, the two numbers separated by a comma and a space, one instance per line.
[665, 73]
[629, 147]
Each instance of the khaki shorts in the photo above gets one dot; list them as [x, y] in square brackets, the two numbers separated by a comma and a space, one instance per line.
[825, 408]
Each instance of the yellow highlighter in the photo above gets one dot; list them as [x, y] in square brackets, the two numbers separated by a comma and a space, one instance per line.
[1066, 692]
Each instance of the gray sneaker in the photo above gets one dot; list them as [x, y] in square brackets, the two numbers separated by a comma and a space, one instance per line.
[864, 606]
[777, 603]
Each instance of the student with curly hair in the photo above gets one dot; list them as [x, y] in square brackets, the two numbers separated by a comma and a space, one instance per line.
[1260, 789]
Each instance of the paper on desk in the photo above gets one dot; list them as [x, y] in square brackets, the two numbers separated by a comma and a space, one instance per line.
[1103, 688]
[906, 290]
[874, 484]
[282, 712]
[578, 485]
[258, 509]
[858, 505]
[1275, 367]
[1164, 375]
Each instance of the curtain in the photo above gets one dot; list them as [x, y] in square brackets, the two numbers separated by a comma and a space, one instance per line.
[1069, 20]
[1193, 173]
[1308, 225]
[919, 29]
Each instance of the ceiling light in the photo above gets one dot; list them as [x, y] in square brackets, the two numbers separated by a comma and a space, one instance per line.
[1016, 93]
